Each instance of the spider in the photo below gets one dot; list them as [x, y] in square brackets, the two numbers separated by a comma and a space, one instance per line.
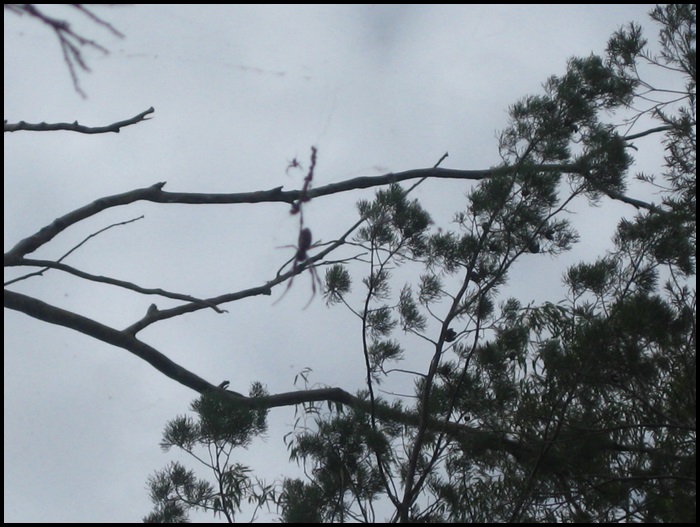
[300, 260]
[293, 164]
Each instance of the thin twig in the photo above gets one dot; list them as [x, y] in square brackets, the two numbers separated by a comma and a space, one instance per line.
[71, 43]
[48, 264]
[41, 272]
[444, 156]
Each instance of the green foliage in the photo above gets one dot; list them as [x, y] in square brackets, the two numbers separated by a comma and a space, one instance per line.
[577, 410]
[430, 289]
[377, 284]
[172, 490]
[379, 322]
[382, 351]
[219, 426]
[338, 284]
[301, 502]
[667, 236]
[594, 277]
[395, 222]
[625, 47]
[605, 161]
[580, 409]
[340, 455]
[221, 420]
[411, 318]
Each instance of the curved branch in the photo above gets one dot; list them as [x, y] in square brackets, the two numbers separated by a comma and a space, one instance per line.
[75, 127]
[122, 339]
[664, 128]
[154, 315]
[47, 233]
[49, 264]
[478, 438]
[636, 203]
[156, 194]
[194, 304]
[72, 250]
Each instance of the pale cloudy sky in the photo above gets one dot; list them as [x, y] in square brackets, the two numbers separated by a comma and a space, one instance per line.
[238, 92]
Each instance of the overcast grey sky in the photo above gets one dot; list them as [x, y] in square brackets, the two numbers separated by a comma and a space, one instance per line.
[238, 92]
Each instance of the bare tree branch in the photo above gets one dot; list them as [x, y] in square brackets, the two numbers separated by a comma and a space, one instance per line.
[72, 44]
[156, 194]
[664, 128]
[122, 339]
[75, 127]
[636, 203]
[48, 264]
[231, 297]
[155, 315]
[490, 440]
[73, 249]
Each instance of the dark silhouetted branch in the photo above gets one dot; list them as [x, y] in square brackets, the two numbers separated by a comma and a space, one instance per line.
[156, 194]
[75, 127]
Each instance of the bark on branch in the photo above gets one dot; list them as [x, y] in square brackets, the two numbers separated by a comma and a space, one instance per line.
[48, 264]
[477, 438]
[124, 339]
[75, 127]
[156, 194]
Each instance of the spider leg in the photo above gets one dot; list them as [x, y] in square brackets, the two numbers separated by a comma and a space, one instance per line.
[314, 279]
[289, 284]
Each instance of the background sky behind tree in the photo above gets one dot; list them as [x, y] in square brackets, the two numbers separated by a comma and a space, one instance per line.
[239, 91]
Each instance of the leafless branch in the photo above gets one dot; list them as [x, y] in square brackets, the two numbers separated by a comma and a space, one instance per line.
[41, 272]
[49, 264]
[156, 194]
[238, 295]
[648, 132]
[90, 236]
[126, 340]
[76, 127]
[72, 44]
[122, 339]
